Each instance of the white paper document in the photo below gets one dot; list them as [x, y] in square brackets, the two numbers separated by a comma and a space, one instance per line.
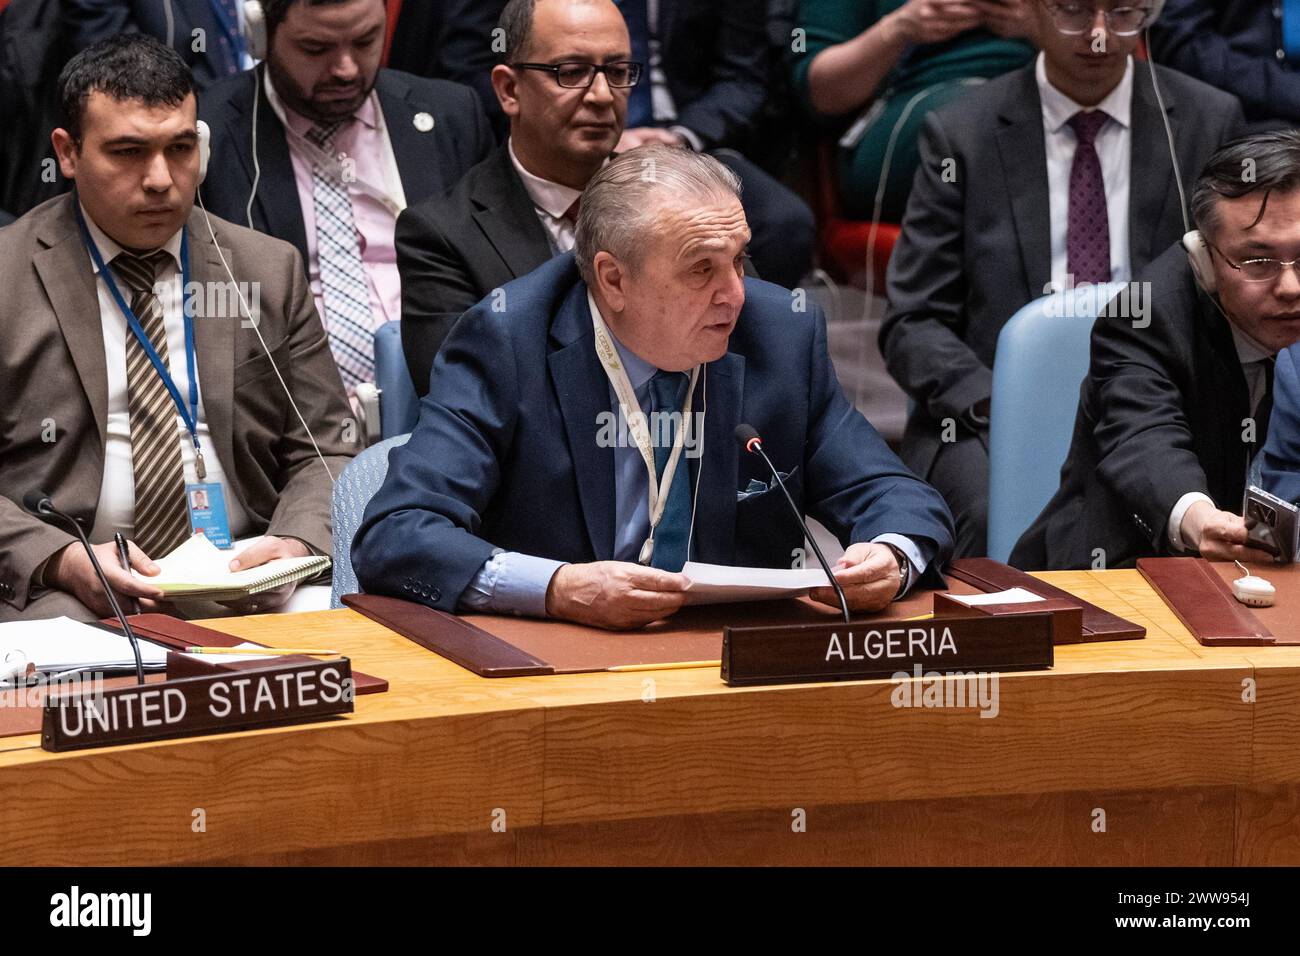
[60, 644]
[721, 584]
[1010, 596]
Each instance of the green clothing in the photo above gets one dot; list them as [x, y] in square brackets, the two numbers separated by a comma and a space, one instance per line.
[925, 78]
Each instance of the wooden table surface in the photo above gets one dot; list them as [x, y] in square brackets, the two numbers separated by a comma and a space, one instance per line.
[1157, 751]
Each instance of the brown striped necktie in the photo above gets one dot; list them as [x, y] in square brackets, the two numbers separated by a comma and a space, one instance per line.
[162, 521]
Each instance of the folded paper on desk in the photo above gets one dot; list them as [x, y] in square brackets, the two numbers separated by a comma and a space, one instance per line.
[1009, 596]
[60, 645]
[721, 584]
[198, 568]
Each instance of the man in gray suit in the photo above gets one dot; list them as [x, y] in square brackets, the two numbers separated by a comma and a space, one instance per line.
[1054, 175]
[87, 414]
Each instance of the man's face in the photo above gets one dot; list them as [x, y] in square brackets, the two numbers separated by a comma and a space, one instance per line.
[136, 167]
[324, 59]
[682, 300]
[581, 125]
[1092, 55]
[1269, 312]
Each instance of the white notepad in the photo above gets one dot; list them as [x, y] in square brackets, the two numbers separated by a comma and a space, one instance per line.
[198, 568]
[60, 644]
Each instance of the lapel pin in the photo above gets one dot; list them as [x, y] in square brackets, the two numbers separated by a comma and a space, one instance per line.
[423, 122]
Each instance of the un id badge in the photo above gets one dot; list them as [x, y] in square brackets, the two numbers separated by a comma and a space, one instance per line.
[206, 503]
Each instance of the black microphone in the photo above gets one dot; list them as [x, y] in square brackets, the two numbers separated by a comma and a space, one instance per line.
[747, 435]
[39, 503]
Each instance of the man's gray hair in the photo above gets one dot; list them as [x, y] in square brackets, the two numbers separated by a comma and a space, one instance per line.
[622, 204]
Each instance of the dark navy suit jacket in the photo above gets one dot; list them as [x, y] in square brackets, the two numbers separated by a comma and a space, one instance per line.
[1280, 466]
[505, 451]
[429, 162]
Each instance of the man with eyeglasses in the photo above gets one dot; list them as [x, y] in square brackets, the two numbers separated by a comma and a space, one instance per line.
[1176, 406]
[1055, 175]
[320, 147]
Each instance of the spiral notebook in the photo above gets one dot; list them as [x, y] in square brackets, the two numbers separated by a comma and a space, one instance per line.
[199, 569]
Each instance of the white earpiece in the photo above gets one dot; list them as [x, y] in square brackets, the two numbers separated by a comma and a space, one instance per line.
[1201, 261]
[205, 149]
[16, 667]
[255, 30]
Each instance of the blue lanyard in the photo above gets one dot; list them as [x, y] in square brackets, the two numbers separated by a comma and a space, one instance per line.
[190, 414]
[231, 30]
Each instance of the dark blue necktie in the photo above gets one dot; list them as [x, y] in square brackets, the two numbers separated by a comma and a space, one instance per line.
[231, 38]
[640, 112]
[666, 394]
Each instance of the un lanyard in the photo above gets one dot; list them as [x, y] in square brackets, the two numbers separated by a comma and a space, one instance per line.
[657, 490]
[231, 30]
[190, 414]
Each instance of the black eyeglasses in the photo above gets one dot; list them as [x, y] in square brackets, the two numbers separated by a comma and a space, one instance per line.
[577, 76]
[1074, 19]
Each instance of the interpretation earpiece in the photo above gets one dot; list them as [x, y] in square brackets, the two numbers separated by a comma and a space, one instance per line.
[1202, 263]
[255, 29]
[205, 149]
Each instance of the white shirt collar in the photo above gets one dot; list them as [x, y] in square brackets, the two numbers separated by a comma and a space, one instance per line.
[1058, 108]
[110, 250]
[554, 199]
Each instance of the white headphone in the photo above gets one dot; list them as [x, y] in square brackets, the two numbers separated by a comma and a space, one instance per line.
[255, 29]
[1201, 261]
[205, 148]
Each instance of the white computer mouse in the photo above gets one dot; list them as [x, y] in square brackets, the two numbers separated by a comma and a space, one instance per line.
[1253, 591]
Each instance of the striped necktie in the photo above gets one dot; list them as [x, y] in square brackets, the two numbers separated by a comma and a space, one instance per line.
[161, 519]
[342, 276]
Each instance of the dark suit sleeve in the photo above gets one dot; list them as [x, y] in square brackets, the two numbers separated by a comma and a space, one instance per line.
[465, 50]
[1280, 464]
[423, 524]
[855, 485]
[1192, 36]
[88, 21]
[436, 285]
[1138, 376]
[922, 338]
[724, 112]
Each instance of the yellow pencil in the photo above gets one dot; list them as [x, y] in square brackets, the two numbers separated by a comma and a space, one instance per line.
[920, 617]
[676, 666]
[276, 651]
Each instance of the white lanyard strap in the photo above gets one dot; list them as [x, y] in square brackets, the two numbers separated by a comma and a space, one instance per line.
[640, 429]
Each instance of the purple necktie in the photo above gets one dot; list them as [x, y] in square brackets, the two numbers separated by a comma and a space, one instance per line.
[1087, 240]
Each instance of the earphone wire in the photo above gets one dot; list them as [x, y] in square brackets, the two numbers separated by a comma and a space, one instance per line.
[257, 166]
[248, 314]
[1169, 133]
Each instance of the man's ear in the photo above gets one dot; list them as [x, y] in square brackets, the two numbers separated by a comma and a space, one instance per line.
[611, 280]
[504, 83]
[65, 148]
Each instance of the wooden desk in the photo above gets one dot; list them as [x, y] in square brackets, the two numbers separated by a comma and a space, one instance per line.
[674, 767]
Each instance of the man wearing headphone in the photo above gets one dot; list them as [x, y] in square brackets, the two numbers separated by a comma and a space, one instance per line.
[1176, 406]
[1058, 174]
[131, 377]
[320, 147]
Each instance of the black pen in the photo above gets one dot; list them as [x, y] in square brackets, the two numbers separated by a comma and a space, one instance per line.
[124, 559]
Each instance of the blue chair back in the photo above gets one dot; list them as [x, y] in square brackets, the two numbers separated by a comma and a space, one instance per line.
[352, 492]
[1042, 357]
[398, 406]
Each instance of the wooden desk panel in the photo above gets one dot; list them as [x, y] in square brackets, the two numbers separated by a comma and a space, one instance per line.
[635, 767]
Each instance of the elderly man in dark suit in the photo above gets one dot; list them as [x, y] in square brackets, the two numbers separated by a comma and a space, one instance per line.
[518, 492]
[1054, 175]
[1177, 404]
[320, 147]
[93, 294]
